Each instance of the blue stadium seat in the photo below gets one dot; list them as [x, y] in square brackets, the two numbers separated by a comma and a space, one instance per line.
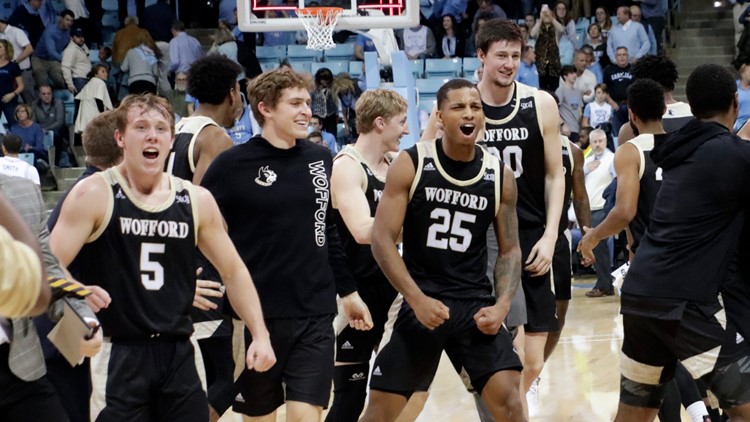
[417, 67]
[470, 65]
[300, 53]
[49, 139]
[442, 67]
[27, 157]
[70, 113]
[94, 56]
[301, 67]
[426, 104]
[268, 66]
[340, 52]
[108, 36]
[335, 66]
[430, 85]
[355, 69]
[110, 5]
[270, 54]
[64, 95]
[110, 20]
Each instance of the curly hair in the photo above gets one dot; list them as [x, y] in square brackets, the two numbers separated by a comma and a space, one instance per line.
[656, 68]
[212, 78]
[710, 91]
[269, 86]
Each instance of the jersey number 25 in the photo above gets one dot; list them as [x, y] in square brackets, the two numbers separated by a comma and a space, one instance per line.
[459, 237]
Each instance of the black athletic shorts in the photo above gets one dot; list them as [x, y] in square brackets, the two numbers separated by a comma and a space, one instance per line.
[561, 267]
[701, 341]
[144, 380]
[409, 358]
[353, 346]
[303, 369]
[541, 310]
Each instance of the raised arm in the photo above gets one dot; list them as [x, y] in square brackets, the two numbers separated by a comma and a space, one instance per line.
[346, 188]
[215, 243]
[389, 219]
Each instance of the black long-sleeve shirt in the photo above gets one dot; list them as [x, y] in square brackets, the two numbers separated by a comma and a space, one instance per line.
[276, 203]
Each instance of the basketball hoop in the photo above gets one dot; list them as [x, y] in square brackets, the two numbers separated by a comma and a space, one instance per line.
[319, 23]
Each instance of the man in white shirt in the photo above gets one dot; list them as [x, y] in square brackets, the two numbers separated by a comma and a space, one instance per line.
[76, 63]
[11, 165]
[22, 50]
[586, 80]
[418, 42]
[599, 173]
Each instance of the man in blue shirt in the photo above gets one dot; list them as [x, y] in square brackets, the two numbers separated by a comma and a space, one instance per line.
[183, 49]
[47, 58]
[328, 139]
[654, 14]
[363, 44]
[628, 34]
[527, 73]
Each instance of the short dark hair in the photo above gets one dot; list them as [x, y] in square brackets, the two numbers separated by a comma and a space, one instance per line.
[646, 99]
[314, 134]
[567, 70]
[587, 129]
[12, 143]
[212, 78]
[107, 51]
[178, 26]
[656, 68]
[497, 29]
[710, 90]
[67, 12]
[452, 85]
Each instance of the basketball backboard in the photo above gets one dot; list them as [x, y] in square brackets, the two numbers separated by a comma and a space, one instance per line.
[279, 15]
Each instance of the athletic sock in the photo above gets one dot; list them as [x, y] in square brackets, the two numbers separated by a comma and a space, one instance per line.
[697, 411]
[349, 392]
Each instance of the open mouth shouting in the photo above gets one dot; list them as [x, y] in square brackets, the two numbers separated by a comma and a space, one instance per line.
[467, 128]
[151, 153]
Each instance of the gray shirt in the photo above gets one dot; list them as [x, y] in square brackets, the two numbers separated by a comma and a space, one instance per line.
[571, 103]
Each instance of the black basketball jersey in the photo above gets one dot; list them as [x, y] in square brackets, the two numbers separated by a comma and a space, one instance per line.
[650, 182]
[359, 257]
[144, 256]
[513, 133]
[445, 226]
[181, 162]
[568, 165]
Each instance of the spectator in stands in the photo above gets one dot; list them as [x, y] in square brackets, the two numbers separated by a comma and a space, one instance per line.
[604, 21]
[80, 17]
[22, 50]
[635, 15]
[244, 127]
[655, 15]
[227, 11]
[316, 138]
[628, 34]
[583, 139]
[479, 20]
[570, 101]
[183, 49]
[347, 91]
[11, 82]
[418, 42]
[527, 72]
[122, 9]
[142, 65]
[562, 15]
[26, 17]
[598, 112]
[32, 136]
[451, 40]
[47, 57]
[581, 9]
[618, 78]
[225, 44]
[528, 22]
[271, 38]
[11, 165]
[322, 102]
[599, 174]
[158, 19]
[125, 39]
[488, 8]
[49, 112]
[177, 96]
[743, 94]
[585, 80]
[105, 54]
[76, 63]
[593, 65]
[329, 139]
[93, 98]
[547, 51]
[598, 45]
[362, 45]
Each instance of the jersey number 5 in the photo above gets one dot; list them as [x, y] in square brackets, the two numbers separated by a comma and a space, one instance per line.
[460, 237]
[150, 266]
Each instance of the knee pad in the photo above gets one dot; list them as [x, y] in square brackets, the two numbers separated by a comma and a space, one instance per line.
[641, 395]
[731, 383]
[349, 392]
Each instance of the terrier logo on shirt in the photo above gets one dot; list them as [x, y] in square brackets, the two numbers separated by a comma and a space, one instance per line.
[265, 177]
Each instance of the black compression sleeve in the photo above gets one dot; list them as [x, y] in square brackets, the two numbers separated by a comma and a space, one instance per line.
[345, 284]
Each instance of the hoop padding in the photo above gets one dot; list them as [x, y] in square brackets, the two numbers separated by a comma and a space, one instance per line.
[319, 23]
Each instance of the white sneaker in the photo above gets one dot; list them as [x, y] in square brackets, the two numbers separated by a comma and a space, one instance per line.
[532, 399]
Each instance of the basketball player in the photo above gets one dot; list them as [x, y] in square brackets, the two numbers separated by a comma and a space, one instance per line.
[561, 262]
[445, 195]
[522, 127]
[200, 138]
[273, 193]
[134, 230]
[357, 182]
[669, 301]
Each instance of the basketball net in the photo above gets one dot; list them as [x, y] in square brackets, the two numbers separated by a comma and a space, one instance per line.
[319, 23]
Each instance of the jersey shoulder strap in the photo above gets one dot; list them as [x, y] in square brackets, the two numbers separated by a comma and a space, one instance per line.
[642, 143]
[194, 125]
[425, 149]
[355, 155]
[109, 179]
[566, 144]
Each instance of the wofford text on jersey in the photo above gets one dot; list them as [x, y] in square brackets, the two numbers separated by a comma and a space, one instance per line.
[320, 182]
[506, 134]
[454, 197]
[151, 228]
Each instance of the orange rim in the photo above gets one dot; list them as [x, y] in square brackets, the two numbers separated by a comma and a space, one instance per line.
[309, 11]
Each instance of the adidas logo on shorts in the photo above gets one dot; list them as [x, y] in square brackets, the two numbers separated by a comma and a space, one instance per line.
[429, 167]
[377, 371]
[739, 339]
[346, 346]
[239, 398]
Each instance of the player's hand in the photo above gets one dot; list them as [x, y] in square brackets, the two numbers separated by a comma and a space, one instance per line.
[205, 289]
[98, 299]
[489, 319]
[432, 313]
[357, 312]
[90, 347]
[540, 257]
[260, 356]
[586, 247]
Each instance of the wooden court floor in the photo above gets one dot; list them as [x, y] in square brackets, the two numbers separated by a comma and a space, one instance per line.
[580, 382]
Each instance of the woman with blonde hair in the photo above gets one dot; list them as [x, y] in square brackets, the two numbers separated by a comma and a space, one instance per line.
[142, 65]
[11, 82]
[226, 45]
[346, 92]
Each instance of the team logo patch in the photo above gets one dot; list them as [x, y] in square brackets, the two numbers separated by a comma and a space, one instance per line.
[265, 177]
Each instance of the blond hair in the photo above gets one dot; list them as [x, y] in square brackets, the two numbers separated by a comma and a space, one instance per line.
[146, 102]
[376, 103]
